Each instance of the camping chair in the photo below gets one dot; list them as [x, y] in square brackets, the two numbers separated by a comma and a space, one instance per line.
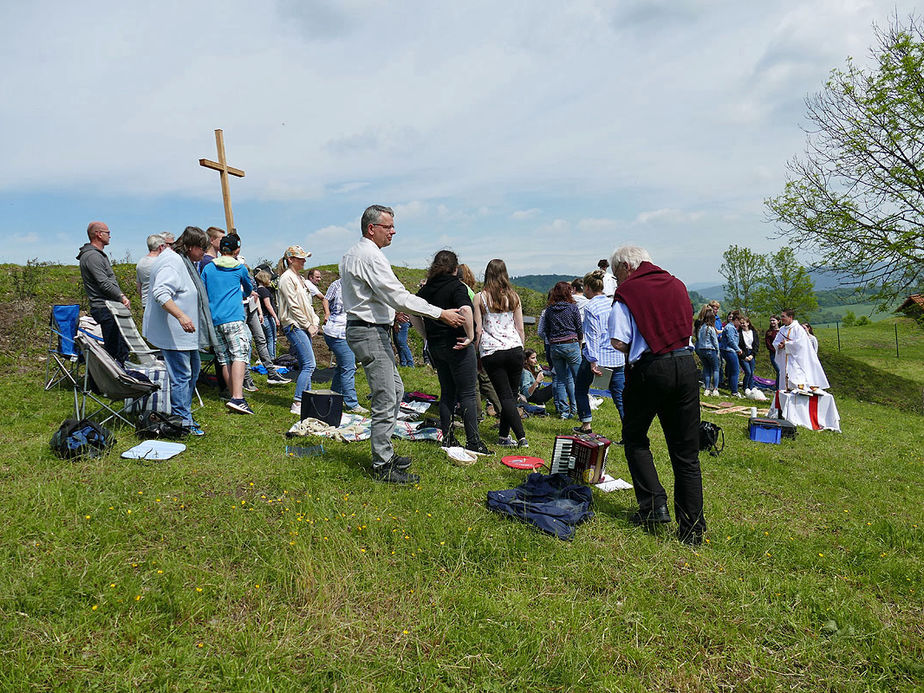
[111, 380]
[62, 362]
[147, 358]
[144, 354]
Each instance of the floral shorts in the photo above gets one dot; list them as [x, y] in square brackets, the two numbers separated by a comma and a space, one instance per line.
[233, 342]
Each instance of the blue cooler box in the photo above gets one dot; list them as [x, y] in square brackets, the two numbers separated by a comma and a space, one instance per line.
[765, 430]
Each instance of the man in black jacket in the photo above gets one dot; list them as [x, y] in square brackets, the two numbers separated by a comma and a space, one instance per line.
[99, 281]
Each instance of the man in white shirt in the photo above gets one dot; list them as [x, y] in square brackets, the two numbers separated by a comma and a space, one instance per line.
[314, 279]
[371, 295]
[609, 279]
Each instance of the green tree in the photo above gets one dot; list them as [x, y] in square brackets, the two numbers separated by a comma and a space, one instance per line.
[787, 284]
[744, 272]
[849, 318]
[856, 198]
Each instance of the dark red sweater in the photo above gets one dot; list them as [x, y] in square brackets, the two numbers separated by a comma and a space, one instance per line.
[661, 306]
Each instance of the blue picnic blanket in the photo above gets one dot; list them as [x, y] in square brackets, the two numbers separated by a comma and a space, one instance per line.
[551, 503]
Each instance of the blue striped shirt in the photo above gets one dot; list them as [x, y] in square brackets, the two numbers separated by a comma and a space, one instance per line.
[597, 348]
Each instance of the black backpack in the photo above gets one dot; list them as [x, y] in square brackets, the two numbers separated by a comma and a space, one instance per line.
[78, 438]
[154, 424]
[709, 434]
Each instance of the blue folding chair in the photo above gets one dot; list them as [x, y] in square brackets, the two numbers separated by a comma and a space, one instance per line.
[63, 360]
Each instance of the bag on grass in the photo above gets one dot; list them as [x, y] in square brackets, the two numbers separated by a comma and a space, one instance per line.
[709, 435]
[76, 438]
[154, 424]
[324, 405]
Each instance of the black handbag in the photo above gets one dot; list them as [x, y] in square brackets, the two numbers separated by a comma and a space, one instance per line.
[323, 405]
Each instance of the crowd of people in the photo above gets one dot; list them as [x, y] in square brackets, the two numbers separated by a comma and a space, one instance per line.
[626, 327]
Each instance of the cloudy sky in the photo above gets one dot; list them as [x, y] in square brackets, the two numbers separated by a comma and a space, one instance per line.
[542, 132]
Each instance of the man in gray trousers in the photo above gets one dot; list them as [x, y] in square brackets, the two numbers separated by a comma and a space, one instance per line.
[371, 295]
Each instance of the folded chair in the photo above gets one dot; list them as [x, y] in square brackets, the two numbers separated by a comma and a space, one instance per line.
[144, 354]
[112, 382]
[147, 358]
[62, 362]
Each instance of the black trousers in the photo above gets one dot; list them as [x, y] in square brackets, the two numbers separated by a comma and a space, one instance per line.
[113, 342]
[504, 368]
[669, 389]
[457, 373]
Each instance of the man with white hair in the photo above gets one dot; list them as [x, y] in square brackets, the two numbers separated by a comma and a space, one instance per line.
[651, 321]
[156, 243]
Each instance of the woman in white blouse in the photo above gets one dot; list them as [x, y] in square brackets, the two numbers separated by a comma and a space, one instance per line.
[297, 317]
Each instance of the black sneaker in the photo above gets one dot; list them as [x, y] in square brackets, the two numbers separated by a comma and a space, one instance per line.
[402, 463]
[389, 474]
[521, 443]
[581, 430]
[239, 405]
[249, 386]
[480, 448]
[658, 515]
[507, 442]
[276, 379]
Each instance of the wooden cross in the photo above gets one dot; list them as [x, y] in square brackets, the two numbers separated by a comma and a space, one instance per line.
[223, 169]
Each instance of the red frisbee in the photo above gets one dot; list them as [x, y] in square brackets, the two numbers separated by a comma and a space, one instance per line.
[520, 462]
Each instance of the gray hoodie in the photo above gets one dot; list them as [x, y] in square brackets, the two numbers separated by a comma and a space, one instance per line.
[99, 281]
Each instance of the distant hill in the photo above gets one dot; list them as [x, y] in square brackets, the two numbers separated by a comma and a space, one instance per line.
[540, 282]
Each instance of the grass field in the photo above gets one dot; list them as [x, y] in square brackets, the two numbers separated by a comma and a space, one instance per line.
[235, 567]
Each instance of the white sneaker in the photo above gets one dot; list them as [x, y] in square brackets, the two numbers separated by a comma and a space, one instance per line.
[358, 409]
[747, 392]
[738, 395]
[296, 408]
[715, 393]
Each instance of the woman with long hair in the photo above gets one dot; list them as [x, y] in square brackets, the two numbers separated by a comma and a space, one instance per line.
[174, 320]
[707, 348]
[769, 336]
[499, 331]
[564, 331]
[748, 344]
[298, 319]
[451, 350]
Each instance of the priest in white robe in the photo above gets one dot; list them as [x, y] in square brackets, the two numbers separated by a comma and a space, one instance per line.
[800, 369]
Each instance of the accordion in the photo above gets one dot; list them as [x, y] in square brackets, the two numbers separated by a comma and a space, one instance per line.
[581, 456]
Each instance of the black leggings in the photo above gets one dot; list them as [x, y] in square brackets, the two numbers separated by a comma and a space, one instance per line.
[505, 368]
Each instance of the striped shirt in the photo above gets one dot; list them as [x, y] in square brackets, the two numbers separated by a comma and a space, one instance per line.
[597, 348]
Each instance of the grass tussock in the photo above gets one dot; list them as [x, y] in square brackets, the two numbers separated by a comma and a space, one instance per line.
[235, 567]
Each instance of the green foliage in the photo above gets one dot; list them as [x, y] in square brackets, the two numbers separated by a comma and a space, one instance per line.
[856, 198]
[541, 282]
[849, 318]
[762, 285]
[862, 320]
[745, 272]
[235, 567]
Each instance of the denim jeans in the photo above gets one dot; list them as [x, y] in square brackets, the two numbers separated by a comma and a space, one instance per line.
[259, 338]
[775, 368]
[405, 357]
[710, 360]
[344, 380]
[582, 383]
[566, 359]
[269, 331]
[372, 346]
[731, 370]
[183, 371]
[300, 343]
[747, 368]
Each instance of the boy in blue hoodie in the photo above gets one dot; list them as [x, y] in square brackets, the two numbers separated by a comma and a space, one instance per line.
[224, 279]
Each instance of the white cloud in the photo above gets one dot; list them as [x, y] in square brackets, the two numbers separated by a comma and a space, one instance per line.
[524, 214]
[667, 216]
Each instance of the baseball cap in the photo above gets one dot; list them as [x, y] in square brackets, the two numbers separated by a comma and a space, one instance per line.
[297, 251]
